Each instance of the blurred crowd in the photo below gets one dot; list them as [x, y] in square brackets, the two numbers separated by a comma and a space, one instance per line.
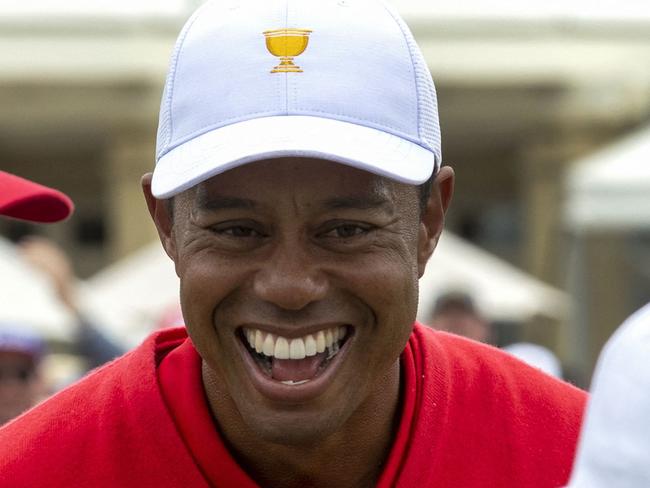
[456, 312]
[23, 350]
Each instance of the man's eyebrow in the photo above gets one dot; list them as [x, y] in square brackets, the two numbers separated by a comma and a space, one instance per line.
[219, 202]
[208, 202]
[359, 203]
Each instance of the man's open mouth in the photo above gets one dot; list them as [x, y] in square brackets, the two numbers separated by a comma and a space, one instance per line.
[294, 361]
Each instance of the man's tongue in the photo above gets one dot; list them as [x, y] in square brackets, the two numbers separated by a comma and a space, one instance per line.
[297, 369]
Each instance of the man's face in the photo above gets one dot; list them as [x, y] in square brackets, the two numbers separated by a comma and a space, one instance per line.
[299, 284]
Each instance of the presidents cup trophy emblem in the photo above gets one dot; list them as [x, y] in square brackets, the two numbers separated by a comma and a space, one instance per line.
[287, 44]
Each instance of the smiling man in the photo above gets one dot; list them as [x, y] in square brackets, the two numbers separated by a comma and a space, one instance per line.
[299, 190]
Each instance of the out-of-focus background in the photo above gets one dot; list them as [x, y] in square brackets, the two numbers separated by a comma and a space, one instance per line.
[545, 114]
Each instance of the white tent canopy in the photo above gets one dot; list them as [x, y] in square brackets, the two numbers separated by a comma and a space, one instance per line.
[611, 189]
[501, 291]
[130, 297]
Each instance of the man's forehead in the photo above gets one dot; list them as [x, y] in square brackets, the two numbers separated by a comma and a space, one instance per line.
[328, 183]
[370, 201]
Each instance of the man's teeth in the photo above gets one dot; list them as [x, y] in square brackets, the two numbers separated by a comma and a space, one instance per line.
[294, 383]
[298, 348]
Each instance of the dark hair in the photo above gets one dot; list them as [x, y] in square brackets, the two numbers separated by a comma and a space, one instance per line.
[424, 192]
[170, 207]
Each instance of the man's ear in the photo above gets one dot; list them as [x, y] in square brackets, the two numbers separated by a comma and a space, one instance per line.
[160, 212]
[433, 217]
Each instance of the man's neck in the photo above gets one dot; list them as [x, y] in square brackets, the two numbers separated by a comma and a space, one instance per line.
[352, 456]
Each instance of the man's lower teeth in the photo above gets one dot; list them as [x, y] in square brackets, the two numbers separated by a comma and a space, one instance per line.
[294, 383]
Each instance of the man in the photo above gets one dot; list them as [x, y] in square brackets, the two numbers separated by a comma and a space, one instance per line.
[46, 257]
[456, 312]
[21, 349]
[23, 199]
[294, 196]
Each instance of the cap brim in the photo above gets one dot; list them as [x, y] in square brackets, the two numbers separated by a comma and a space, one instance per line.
[26, 200]
[231, 146]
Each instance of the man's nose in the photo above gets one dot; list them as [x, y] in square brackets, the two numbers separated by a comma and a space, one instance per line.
[291, 279]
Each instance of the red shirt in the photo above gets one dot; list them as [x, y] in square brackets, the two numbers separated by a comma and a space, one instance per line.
[472, 416]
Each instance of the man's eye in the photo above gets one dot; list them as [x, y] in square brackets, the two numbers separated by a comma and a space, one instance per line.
[238, 231]
[348, 230]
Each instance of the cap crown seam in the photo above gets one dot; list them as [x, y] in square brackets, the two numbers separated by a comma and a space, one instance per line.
[286, 75]
[174, 70]
[209, 128]
[175, 66]
[350, 118]
[410, 51]
[296, 112]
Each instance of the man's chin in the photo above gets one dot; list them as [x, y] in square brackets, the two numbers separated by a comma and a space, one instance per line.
[295, 428]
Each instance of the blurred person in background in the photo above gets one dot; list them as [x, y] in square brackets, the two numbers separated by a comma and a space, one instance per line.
[21, 384]
[614, 447]
[88, 341]
[22, 349]
[456, 312]
[26, 200]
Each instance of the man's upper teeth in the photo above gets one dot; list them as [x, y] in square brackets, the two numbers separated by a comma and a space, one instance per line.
[298, 348]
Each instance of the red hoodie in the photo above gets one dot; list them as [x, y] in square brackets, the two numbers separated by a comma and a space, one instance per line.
[472, 416]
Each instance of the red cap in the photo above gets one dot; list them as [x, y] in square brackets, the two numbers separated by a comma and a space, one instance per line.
[26, 200]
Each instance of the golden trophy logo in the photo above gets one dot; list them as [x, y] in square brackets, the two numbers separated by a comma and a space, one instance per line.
[287, 44]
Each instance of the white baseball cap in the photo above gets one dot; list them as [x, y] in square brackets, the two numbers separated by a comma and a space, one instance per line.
[341, 80]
